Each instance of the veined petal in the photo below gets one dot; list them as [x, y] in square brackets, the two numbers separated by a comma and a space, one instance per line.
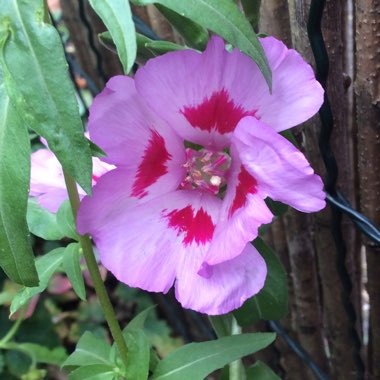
[47, 182]
[143, 246]
[201, 96]
[226, 287]
[296, 94]
[281, 170]
[242, 213]
[134, 138]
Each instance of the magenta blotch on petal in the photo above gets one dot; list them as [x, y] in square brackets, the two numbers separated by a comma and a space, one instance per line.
[194, 141]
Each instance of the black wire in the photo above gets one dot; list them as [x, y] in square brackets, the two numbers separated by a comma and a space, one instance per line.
[297, 348]
[327, 124]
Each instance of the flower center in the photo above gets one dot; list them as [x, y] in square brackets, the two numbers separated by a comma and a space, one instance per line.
[206, 170]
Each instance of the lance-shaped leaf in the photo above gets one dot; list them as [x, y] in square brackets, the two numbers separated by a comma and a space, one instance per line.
[272, 300]
[46, 266]
[224, 18]
[194, 35]
[197, 360]
[37, 82]
[117, 17]
[16, 256]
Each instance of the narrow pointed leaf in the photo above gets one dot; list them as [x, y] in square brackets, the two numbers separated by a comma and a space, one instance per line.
[194, 35]
[117, 17]
[138, 354]
[38, 84]
[272, 301]
[224, 18]
[71, 265]
[65, 220]
[260, 371]
[90, 350]
[93, 372]
[197, 360]
[43, 223]
[46, 265]
[16, 256]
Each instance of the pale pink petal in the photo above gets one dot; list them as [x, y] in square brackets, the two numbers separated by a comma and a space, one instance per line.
[201, 96]
[296, 94]
[227, 285]
[47, 183]
[242, 213]
[134, 138]
[143, 245]
[281, 170]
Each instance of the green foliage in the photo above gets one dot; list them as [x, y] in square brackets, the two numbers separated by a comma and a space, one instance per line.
[92, 359]
[272, 301]
[66, 222]
[42, 354]
[46, 265]
[16, 256]
[90, 350]
[197, 360]
[38, 85]
[194, 35]
[117, 16]
[260, 371]
[138, 347]
[222, 17]
[43, 223]
[71, 265]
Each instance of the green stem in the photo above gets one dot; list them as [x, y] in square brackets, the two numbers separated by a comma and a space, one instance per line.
[226, 325]
[13, 330]
[93, 268]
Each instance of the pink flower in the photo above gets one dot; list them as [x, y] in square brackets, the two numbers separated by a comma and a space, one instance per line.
[173, 214]
[47, 182]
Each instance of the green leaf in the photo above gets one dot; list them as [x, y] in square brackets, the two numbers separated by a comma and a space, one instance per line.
[71, 265]
[260, 371]
[222, 324]
[272, 301]
[16, 256]
[95, 150]
[138, 347]
[197, 360]
[138, 354]
[194, 35]
[42, 354]
[138, 321]
[65, 220]
[90, 350]
[276, 207]
[46, 265]
[37, 82]
[117, 17]
[43, 223]
[93, 372]
[222, 17]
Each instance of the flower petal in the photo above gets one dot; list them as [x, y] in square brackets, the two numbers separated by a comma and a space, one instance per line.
[143, 245]
[201, 96]
[296, 94]
[226, 288]
[281, 170]
[47, 182]
[242, 213]
[134, 138]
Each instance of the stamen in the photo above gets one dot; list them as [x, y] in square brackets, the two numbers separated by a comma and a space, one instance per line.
[206, 170]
